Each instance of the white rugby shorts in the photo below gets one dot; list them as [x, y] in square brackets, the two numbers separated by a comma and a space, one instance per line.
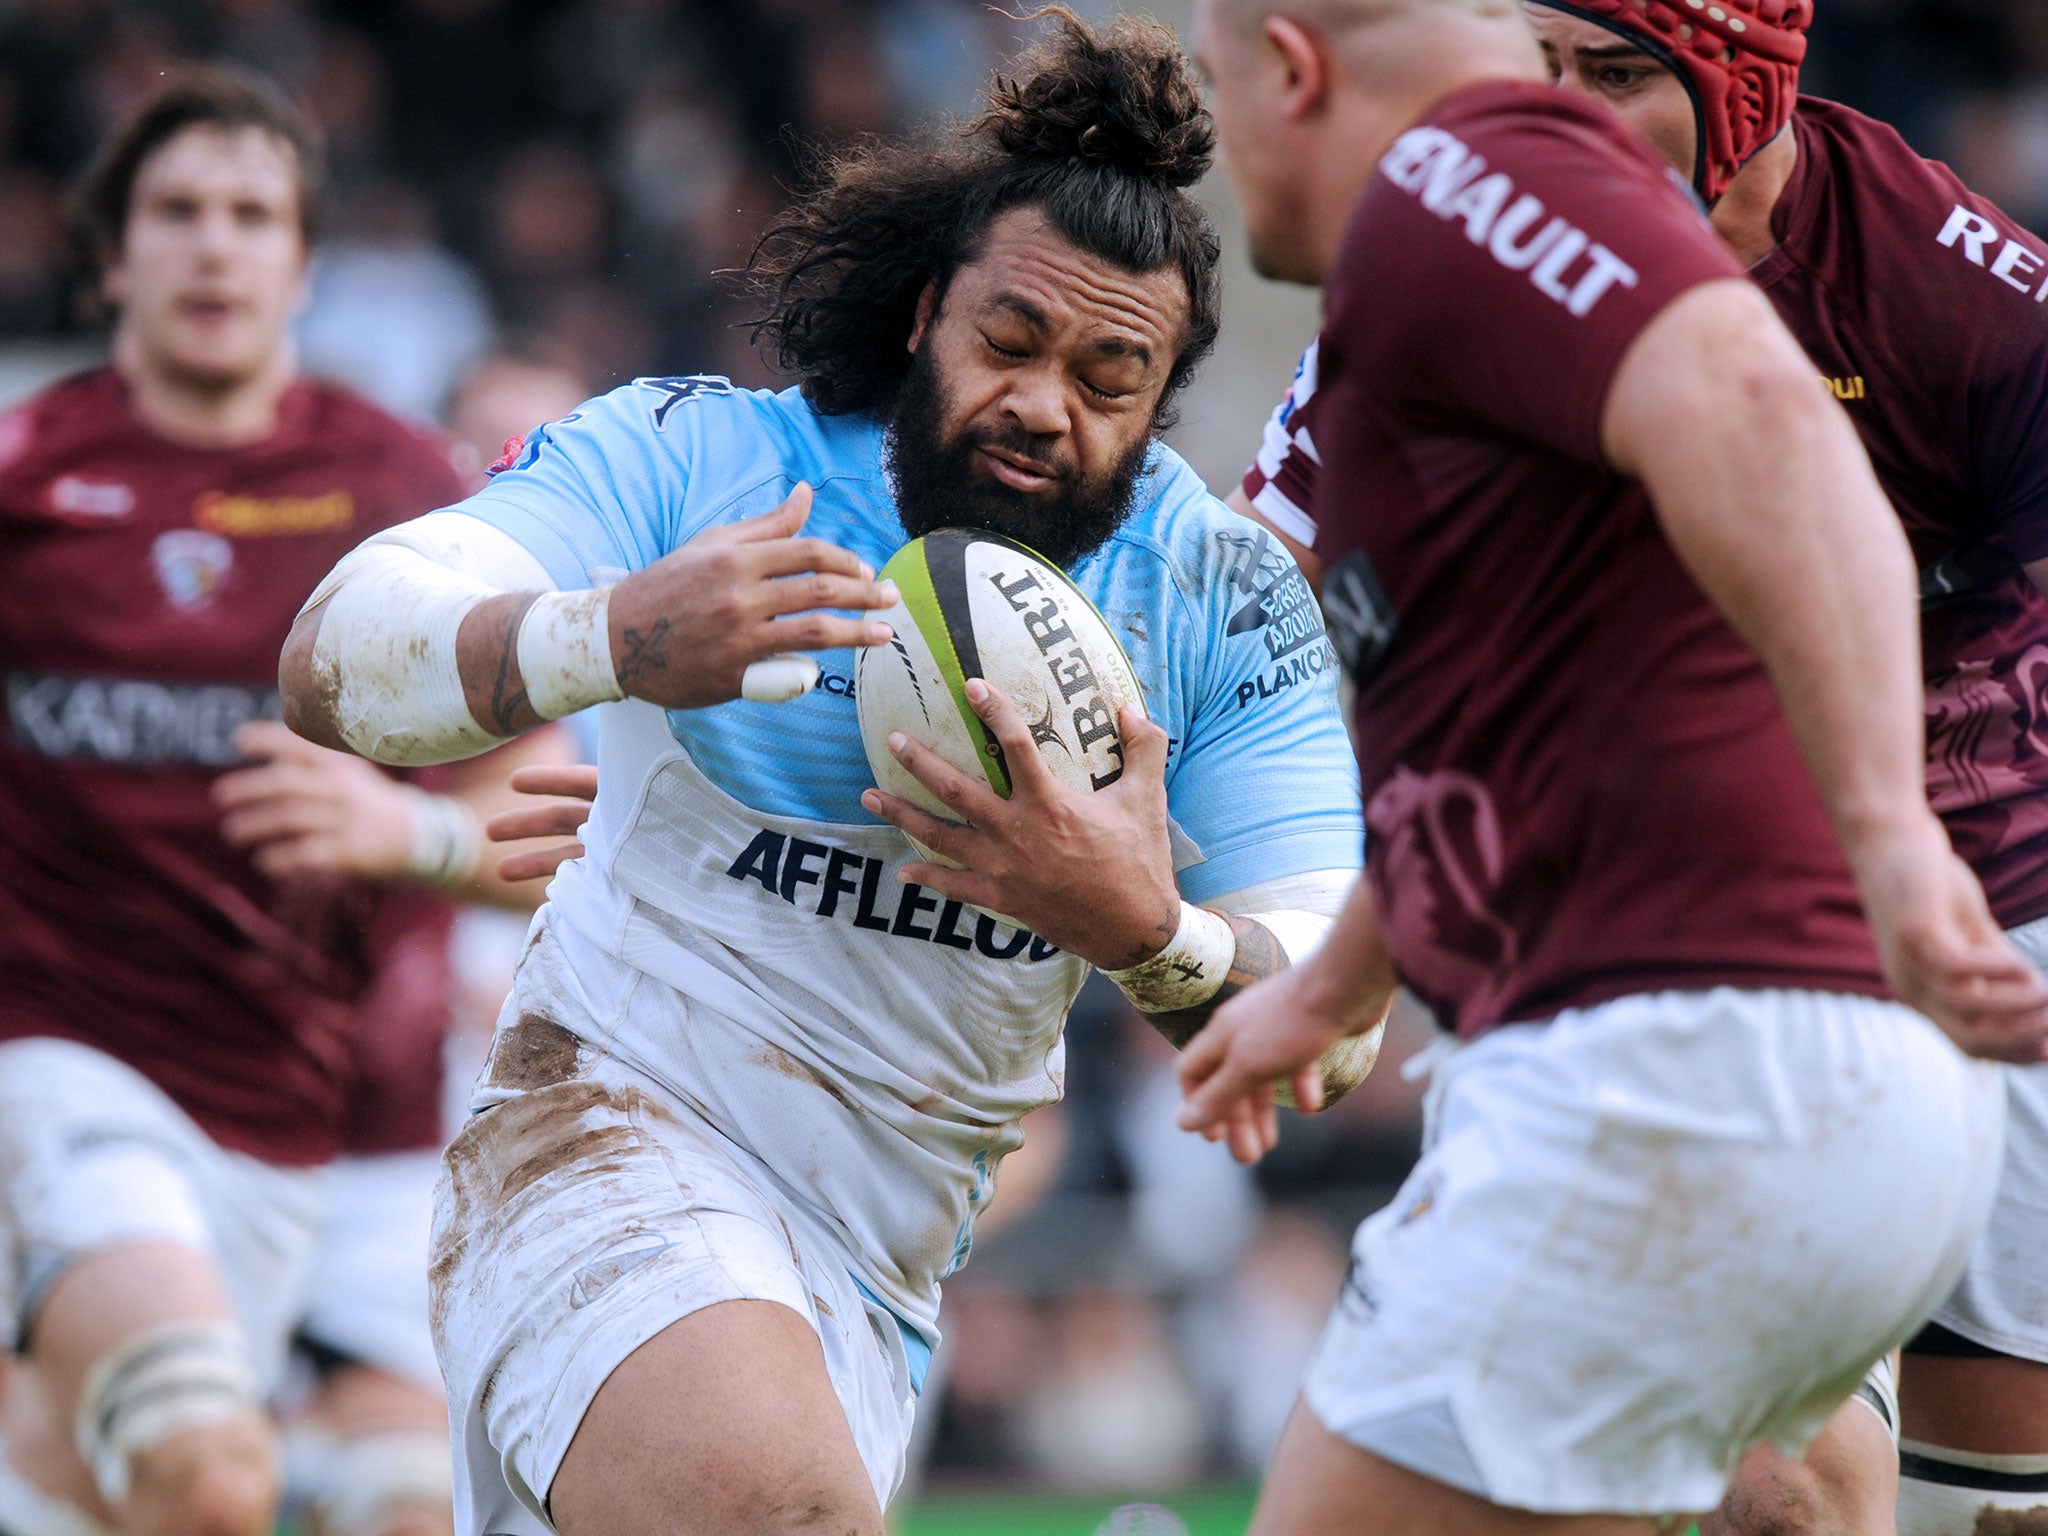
[2002, 1302]
[95, 1155]
[1649, 1234]
[367, 1297]
[580, 1218]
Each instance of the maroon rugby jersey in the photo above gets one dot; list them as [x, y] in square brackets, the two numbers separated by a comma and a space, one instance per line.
[1922, 307]
[1578, 781]
[1921, 304]
[146, 589]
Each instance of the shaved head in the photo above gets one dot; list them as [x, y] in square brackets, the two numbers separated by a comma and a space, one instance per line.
[1308, 94]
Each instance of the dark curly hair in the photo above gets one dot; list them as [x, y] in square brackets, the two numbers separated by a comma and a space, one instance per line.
[1103, 131]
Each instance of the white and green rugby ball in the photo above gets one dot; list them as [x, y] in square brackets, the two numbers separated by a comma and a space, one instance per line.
[976, 604]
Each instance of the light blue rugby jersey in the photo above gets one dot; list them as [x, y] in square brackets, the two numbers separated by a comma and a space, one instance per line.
[1221, 628]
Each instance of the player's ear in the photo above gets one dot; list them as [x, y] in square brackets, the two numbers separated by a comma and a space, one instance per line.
[920, 322]
[1303, 60]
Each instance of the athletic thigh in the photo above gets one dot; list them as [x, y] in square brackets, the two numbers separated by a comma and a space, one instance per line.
[579, 1222]
[1321, 1485]
[725, 1422]
[1846, 1483]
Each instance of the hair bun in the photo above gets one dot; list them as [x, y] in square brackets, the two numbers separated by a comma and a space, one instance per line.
[1123, 96]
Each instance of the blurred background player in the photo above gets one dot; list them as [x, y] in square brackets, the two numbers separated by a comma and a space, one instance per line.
[1540, 473]
[184, 966]
[689, 1248]
[1919, 303]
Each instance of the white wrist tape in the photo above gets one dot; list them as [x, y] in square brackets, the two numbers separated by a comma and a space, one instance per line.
[1189, 971]
[565, 652]
[446, 841]
[384, 665]
[157, 1384]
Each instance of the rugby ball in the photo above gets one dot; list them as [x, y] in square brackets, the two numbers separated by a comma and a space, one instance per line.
[975, 604]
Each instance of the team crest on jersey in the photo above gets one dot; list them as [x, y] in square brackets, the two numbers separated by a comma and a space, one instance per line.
[674, 391]
[191, 564]
[79, 500]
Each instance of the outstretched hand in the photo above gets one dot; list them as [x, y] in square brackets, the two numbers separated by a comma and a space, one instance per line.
[685, 629]
[1092, 873]
[576, 784]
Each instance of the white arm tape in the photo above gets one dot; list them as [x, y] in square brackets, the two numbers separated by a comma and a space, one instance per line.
[1298, 910]
[1304, 909]
[385, 657]
[565, 652]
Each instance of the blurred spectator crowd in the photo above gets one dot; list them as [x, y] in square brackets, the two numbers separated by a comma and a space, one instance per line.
[567, 174]
[550, 187]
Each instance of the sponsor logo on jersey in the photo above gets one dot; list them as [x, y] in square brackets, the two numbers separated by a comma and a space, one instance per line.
[839, 883]
[1291, 673]
[1281, 606]
[1847, 389]
[674, 391]
[191, 564]
[133, 720]
[1563, 261]
[90, 501]
[1982, 243]
[250, 517]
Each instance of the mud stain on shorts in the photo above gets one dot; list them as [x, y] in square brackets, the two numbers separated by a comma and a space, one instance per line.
[776, 1059]
[533, 1052]
[2011, 1522]
[598, 1150]
[505, 1151]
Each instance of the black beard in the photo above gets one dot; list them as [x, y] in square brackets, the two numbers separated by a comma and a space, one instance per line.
[941, 484]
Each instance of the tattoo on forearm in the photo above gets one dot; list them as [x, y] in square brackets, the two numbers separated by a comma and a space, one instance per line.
[507, 701]
[1258, 956]
[1165, 928]
[646, 651]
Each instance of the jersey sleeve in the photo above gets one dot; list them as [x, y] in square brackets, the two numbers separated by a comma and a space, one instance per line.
[1281, 482]
[1264, 783]
[598, 492]
[1499, 270]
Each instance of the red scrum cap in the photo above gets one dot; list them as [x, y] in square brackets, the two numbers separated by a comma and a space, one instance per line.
[1738, 59]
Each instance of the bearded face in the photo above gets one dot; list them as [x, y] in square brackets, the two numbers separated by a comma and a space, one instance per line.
[1035, 386]
[940, 465]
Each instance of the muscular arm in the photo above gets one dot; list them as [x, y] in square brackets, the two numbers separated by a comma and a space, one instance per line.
[1766, 495]
[1275, 925]
[422, 646]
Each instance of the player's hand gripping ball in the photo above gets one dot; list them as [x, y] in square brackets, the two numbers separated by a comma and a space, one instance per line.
[975, 604]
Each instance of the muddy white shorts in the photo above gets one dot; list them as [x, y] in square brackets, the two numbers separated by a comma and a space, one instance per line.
[92, 1154]
[1650, 1234]
[579, 1219]
[2002, 1302]
[367, 1298]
